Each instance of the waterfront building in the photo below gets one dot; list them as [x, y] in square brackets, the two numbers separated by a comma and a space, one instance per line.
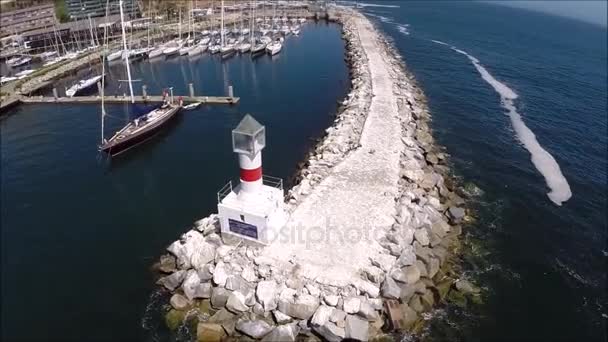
[20, 21]
[82, 9]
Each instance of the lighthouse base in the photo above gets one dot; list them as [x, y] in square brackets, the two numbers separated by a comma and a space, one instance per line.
[257, 216]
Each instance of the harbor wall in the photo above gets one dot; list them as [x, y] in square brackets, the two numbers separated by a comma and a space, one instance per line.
[228, 287]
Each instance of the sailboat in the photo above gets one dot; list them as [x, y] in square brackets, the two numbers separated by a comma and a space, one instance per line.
[143, 127]
[226, 50]
[257, 48]
[82, 85]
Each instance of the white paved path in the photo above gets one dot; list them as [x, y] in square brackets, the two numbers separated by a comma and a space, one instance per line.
[356, 197]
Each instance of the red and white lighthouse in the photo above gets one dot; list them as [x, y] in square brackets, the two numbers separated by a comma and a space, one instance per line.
[253, 209]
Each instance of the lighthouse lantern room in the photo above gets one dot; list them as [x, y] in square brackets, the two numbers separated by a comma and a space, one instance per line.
[254, 209]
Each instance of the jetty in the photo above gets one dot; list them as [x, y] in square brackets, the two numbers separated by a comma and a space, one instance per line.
[372, 228]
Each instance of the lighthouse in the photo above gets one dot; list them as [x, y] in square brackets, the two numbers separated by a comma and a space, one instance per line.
[253, 209]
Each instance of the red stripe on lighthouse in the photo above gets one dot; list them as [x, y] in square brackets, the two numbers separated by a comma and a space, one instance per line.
[251, 175]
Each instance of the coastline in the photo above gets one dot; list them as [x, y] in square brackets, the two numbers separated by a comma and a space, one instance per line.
[410, 259]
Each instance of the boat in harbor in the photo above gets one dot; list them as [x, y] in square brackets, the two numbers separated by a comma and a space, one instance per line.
[18, 61]
[82, 85]
[114, 55]
[274, 47]
[142, 127]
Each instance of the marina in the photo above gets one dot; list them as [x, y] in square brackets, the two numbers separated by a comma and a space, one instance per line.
[282, 92]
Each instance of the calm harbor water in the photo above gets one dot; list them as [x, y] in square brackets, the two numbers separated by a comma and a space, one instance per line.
[542, 266]
[79, 233]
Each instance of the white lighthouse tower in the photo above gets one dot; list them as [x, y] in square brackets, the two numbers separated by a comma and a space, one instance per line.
[254, 209]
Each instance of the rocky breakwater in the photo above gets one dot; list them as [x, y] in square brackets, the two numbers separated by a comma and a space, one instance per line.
[374, 223]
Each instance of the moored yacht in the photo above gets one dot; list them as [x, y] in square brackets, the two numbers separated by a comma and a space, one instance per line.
[82, 85]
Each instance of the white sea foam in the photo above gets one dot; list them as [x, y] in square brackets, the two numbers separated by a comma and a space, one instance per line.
[542, 160]
[382, 18]
[377, 5]
[403, 28]
[438, 42]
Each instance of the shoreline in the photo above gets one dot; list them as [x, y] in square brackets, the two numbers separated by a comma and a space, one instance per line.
[231, 288]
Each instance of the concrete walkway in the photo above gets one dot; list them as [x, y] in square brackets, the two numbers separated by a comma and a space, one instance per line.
[333, 233]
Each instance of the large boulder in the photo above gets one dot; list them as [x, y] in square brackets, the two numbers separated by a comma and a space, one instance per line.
[302, 307]
[390, 289]
[236, 302]
[322, 315]
[351, 305]
[283, 333]
[253, 328]
[356, 328]
[266, 293]
[179, 302]
[209, 332]
[219, 297]
[192, 250]
[167, 263]
[220, 274]
[172, 281]
[330, 332]
[456, 214]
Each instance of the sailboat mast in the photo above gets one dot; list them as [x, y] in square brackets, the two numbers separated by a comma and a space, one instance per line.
[252, 24]
[222, 27]
[91, 30]
[125, 51]
[103, 71]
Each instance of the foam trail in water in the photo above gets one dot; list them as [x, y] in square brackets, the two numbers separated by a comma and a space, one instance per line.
[382, 19]
[438, 42]
[376, 5]
[403, 28]
[542, 160]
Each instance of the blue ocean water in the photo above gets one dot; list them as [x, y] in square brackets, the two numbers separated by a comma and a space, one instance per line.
[542, 266]
[79, 234]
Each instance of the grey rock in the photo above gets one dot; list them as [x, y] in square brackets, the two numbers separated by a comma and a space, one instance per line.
[172, 281]
[280, 317]
[331, 300]
[266, 293]
[383, 261]
[283, 333]
[253, 328]
[167, 263]
[337, 315]
[220, 274]
[249, 274]
[408, 316]
[237, 283]
[465, 286]
[236, 302]
[330, 332]
[412, 274]
[303, 307]
[321, 316]
[205, 273]
[421, 235]
[190, 284]
[367, 311]
[407, 291]
[351, 305]
[407, 257]
[219, 297]
[390, 289]
[456, 214]
[179, 302]
[422, 268]
[374, 274]
[357, 328]
[258, 309]
[433, 267]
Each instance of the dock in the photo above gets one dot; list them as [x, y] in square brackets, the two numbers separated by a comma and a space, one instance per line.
[127, 99]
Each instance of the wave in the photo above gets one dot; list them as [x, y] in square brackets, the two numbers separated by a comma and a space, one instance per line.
[439, 42]
[360, 4]
[542, 160]
[382, 18]
[403, 28]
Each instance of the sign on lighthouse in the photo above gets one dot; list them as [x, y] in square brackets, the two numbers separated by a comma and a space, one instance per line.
[254, 209]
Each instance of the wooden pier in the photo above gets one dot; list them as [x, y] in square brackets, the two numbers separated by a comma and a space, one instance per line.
[127, 99]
